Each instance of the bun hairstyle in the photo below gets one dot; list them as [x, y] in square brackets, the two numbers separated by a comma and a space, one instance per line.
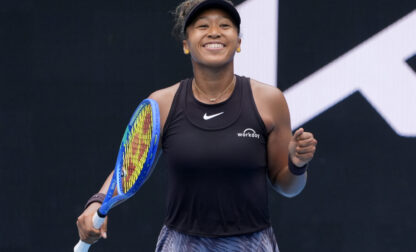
[186, 11]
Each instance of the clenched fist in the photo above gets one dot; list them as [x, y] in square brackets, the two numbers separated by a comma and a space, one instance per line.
[302, 147]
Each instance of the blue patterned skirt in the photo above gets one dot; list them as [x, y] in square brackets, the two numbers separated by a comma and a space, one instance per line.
[172, 241]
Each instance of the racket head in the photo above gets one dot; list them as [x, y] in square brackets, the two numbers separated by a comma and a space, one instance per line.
[138, 148]
[135, 159]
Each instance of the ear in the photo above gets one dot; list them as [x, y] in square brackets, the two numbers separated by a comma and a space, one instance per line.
[185, 47]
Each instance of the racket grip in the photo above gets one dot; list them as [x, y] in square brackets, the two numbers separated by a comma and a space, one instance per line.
[97, 222]
[82, 246]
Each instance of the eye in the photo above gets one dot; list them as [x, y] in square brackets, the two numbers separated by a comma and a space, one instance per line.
[225, 25]
[201, 24]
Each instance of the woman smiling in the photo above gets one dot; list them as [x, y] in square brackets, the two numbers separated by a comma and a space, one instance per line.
[224, 137]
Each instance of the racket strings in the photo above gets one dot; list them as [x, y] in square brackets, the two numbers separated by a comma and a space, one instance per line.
[137, 148]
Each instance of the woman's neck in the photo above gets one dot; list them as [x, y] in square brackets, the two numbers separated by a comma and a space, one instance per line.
[213, 80]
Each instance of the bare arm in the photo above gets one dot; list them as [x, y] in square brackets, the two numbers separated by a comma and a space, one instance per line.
[280, 136]
[106, 184]
[281, 145]
[164, 98]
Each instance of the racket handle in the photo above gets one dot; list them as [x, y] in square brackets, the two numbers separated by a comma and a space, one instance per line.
[97, 222]
[82, 246]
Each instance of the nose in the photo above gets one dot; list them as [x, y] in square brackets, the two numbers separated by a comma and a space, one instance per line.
[214, 32]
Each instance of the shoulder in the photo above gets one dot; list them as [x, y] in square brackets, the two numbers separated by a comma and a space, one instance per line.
[165, 93]
[270, 103]
[267, 93]
[164, 98]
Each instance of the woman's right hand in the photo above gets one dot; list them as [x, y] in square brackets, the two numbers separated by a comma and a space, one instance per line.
[86, 231]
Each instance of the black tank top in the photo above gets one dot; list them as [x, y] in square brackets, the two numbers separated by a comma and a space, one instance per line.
[217, 164]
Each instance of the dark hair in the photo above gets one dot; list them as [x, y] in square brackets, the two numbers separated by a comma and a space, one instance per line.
[180, 14]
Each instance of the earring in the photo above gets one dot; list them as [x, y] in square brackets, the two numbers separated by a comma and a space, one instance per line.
[238, 50]
[186, 51]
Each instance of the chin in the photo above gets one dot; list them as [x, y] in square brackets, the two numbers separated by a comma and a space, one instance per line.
[216, 62]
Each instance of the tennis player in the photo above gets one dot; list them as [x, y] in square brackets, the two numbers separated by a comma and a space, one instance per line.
[225, 136]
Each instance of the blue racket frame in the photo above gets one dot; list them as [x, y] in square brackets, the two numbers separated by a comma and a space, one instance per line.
[111, 201]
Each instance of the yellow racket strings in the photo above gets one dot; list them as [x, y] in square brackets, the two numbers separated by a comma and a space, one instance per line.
[137, 148]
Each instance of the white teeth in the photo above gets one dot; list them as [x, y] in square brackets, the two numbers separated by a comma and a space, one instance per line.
[214, 45]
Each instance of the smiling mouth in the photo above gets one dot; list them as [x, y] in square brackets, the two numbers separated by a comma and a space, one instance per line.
[214, 46]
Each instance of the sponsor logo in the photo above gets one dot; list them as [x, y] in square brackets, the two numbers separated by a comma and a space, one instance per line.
[207, 117]
[249, 133]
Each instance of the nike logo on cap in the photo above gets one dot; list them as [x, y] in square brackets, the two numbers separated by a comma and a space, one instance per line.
[207, 117]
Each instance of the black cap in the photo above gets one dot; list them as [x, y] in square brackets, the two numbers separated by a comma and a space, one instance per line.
[208, 4]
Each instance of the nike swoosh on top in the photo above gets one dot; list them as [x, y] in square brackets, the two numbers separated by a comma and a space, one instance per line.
[207, 117]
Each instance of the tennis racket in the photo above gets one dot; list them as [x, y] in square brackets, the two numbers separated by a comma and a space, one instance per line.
[135, 159]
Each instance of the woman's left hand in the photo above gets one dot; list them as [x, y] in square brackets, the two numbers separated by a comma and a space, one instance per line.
[302, 147]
